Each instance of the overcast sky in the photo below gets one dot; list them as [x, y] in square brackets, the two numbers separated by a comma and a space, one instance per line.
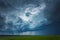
[10, 9]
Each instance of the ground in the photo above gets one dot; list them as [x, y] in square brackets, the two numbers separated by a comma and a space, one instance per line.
[30, 37]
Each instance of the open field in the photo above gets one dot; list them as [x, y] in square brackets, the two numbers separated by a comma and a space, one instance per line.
[29, 37]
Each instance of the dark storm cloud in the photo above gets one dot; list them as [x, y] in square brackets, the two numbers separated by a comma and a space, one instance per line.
[53, 9]
[51, 12]
[2, 22]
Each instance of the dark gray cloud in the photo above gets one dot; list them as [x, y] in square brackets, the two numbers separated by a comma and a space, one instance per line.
[12, 7]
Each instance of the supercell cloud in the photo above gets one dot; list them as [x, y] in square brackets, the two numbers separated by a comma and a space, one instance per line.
[39, 17]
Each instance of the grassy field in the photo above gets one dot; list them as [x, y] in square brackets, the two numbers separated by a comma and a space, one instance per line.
[29, 37]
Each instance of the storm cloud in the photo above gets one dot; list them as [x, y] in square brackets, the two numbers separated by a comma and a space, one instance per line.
[26, 17]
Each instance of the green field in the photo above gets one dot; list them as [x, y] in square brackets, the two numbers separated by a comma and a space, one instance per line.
[29, 37]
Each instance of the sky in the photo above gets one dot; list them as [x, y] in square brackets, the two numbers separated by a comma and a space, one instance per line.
[29, 17]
